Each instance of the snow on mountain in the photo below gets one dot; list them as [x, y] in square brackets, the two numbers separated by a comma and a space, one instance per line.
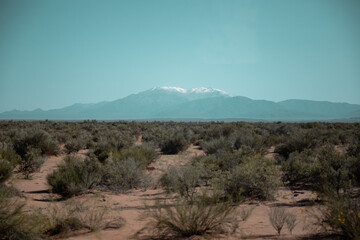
[171, 89]
[199, 90]
[207, 90]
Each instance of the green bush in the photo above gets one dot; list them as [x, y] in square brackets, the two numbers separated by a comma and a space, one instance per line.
[277, 217]
[300, 167]
[249, 139]
[72, 215]
[143, 155]
[256, 177]
[296, 142]
[183, 180]
[204, 214]
[36, 139]
[228, 160]
[124, 175]
[9, 191]
[215, 145]
[31, 162]
[14, 223]
[102, 153]
[342, 213]
[10, 155]
[75, 176]
[208, 167]
[353, 154]
[74, 145]
[6, 169]
[354, 150]
[174, 144]
[332, 174]
[355, 169]
[327, 170]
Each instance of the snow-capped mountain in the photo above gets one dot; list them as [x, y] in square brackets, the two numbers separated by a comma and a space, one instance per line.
[192, 90]
[193, 93]
[207, 90]
[195, 103]
[170, 89]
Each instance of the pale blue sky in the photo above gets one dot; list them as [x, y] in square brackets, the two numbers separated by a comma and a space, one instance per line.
[54, 53]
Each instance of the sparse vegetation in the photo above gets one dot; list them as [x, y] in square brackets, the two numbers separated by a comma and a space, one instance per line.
[124, 175]
[74, 215]
[31, 162]
[182, 180]
[6, 169]
[36, 139]
[256, 177]
[75, 176]
[14, 223]
[245, 213]
[174, 143]
[342, 213]
[203, 214]
[322, 157]
[277, 218]
[291, 222]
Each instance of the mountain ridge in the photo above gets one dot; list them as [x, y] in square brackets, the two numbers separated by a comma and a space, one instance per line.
[195, 103]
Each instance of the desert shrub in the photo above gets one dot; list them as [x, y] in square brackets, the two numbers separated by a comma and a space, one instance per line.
[74, 145]
[256, 177]
[355, 169]
[102, 153]
[326, 169]
[342, 213]
[298, 141]
[332, 173]
[204, 214]
[228, 160]
[125, 174]
[8, 191]
[14, 223]
[291, 222]
[173, 144]
[245, 213]
[31, 162]
[277, 218]
[208, 168]
[143, 155]
[215, 145]
[353, 154]
[246, 138]
[6, 169]
[36, 139]
[183, 180]
[61, 136]
[300, 167]
[75, 176]
[354, 150]
[10, 155]
[64, 226]
[214, 131]
[73, 215]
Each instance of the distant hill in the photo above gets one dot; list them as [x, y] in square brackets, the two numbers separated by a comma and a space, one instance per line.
[197, 103]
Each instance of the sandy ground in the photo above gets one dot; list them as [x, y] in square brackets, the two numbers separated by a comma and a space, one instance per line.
[131, 205]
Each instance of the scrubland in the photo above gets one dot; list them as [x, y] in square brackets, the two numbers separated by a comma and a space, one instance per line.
[179, 180]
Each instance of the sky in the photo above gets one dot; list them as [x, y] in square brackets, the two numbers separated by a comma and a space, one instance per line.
[60, 52]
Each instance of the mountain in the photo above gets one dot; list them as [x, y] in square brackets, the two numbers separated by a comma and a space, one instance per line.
[197, 103]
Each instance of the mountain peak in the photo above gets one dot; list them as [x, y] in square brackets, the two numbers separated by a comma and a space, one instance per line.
[193, 90]
[207, 90]
[171, 89]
